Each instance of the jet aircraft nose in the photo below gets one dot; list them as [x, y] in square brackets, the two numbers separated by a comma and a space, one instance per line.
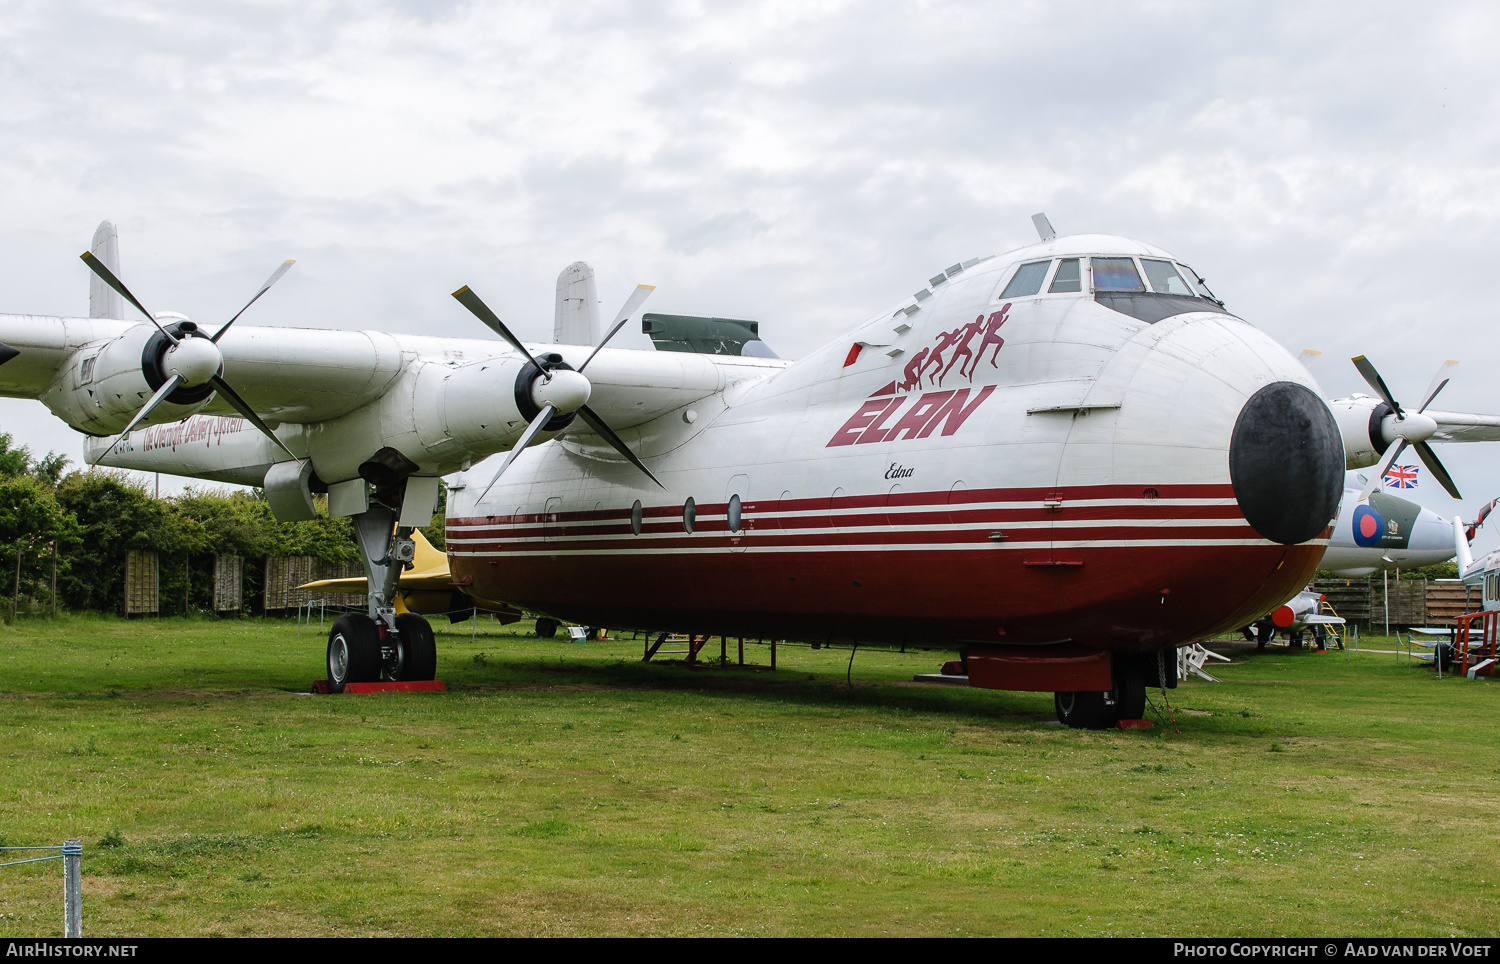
[1286, 462]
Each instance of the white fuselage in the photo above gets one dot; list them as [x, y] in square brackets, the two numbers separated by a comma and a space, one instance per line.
[1388, 532]
[1078, 486]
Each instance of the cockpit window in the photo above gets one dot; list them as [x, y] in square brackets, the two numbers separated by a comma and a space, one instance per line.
[1164, 278]
[1027, 281]
[1195, 280]
[1067, 278]
[1116, 274]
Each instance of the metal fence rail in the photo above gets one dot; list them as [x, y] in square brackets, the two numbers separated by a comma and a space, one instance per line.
[72, 857]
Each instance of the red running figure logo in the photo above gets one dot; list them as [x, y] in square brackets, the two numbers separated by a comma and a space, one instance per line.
[949, 409]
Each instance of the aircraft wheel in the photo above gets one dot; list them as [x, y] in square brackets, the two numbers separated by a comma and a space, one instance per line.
[1130, 690]
[415, 652]
[353, 652]
[1082, 711]
[546, 628]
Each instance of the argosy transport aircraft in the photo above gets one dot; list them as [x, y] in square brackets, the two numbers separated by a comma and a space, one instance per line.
[1066, 460]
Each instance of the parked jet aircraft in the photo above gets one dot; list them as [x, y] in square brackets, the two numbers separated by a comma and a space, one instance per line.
[1068, 460]
[1385, 532]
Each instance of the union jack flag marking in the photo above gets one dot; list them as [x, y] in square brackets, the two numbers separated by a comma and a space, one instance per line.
[1401, 477]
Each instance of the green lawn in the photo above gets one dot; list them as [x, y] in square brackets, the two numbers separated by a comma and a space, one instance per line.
[564, 788]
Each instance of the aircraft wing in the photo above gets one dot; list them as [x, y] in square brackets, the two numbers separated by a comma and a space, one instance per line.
[1459, 427]
[410, 581]
[429, 571]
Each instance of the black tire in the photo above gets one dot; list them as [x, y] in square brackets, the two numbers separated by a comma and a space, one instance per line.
[414, 655]
[353, 652]
[1130, 688]
[546, 628]
[1082, 711]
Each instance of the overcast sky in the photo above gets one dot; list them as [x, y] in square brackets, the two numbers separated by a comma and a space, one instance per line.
[1330, 169]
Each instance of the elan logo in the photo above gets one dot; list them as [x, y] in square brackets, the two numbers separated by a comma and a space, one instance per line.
[890, 419]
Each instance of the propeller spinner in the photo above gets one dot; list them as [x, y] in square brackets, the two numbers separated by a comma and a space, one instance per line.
[191, 359]
[557, 390]
[1407, 428]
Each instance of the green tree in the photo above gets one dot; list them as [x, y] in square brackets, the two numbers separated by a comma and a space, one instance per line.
[30, 519]
[114, 515]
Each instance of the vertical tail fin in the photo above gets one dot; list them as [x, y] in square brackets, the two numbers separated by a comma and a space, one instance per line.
[1461, 547]
[576, 318]
[104, 301]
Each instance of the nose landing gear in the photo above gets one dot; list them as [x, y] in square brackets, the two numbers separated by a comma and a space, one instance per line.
[1125, 701]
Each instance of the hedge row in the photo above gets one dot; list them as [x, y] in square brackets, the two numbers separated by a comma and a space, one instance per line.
[92, 518]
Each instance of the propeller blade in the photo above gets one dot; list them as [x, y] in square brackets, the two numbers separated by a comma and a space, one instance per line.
[275, 277]
[1430, 459]
[542, 418]
[1392, 452]
[240, 405]
[1444, 373]
[639, 295]
[1372, 377]
[98, 268]
[605, 432]
[167, 388]
[470, 300]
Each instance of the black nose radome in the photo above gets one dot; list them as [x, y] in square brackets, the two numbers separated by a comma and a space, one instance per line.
[1286, 460]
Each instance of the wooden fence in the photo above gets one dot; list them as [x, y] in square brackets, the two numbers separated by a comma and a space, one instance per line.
[229, 584]
[285, 573]
[142, 583]
[1413, 602]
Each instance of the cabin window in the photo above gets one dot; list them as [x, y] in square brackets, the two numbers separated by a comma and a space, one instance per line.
[637, 516]
[1067, 277]
[1164, 278]
[1116, 274]
[689, 514]
[1027, 281]
[733, 512]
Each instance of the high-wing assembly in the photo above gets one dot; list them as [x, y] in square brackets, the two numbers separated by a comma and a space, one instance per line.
[1066, 460]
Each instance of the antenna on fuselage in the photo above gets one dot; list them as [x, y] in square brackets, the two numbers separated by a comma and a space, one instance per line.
[1043, 227]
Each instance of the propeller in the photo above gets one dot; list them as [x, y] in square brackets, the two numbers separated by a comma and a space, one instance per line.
[1409, 428]
[191, 359]
[560, 390]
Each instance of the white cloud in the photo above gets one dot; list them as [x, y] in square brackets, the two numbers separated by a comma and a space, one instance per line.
[1329, 168]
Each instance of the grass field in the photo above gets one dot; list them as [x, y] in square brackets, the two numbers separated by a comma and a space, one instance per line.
[564, 788]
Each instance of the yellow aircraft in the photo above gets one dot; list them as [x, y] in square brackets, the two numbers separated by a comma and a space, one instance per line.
[427, 588]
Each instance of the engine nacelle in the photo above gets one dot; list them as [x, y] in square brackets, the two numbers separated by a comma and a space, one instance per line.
[434, 420]
[1362, 423]
[102, 386]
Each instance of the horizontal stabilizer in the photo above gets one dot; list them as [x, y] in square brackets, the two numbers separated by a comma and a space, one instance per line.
[705, 336]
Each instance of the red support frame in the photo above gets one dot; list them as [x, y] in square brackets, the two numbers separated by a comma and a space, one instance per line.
[1474, 644]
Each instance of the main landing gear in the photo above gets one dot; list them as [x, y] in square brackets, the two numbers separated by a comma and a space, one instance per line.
[384, 644]
[361, 650]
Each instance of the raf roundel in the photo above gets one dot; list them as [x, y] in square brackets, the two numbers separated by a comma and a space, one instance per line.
[1368, 526]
